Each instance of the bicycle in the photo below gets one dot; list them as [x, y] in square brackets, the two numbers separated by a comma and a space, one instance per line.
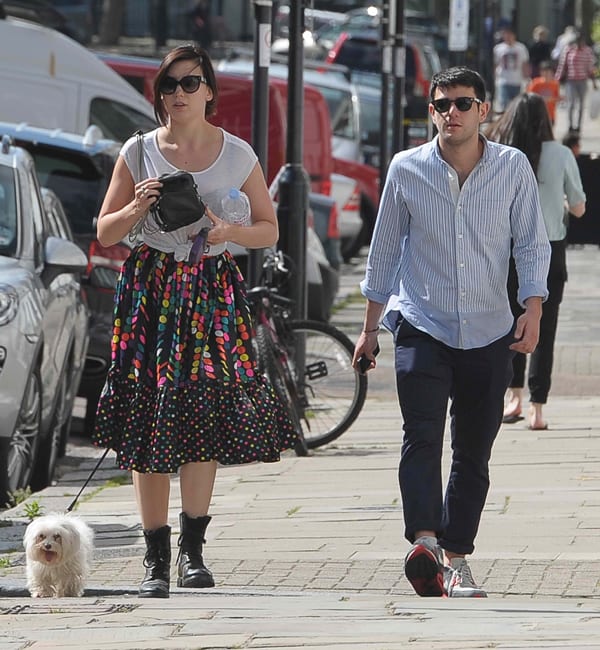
[326, 396]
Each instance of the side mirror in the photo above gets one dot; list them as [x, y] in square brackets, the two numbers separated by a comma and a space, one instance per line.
[65, 255]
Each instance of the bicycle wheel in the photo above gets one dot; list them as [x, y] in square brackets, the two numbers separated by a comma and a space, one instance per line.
[333, 392]
[281, 378]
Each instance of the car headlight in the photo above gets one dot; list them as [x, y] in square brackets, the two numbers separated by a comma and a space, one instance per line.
[9, 303]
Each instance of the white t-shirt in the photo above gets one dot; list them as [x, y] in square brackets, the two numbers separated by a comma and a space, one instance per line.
[231, 169]
[509, 60]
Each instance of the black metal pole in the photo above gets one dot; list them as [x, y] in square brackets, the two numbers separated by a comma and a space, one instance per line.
[260, 110]
[399, 77]
[293, 184]
[386, 76]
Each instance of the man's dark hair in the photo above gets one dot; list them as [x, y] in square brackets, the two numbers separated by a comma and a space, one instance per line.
[458, 76]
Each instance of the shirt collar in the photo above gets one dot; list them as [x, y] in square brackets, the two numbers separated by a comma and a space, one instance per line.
[485, 157]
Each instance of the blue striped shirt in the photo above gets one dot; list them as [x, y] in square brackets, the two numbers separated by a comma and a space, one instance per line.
[440, 252]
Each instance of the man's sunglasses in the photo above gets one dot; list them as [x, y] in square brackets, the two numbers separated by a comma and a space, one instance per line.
[189, 84]
[462, 103]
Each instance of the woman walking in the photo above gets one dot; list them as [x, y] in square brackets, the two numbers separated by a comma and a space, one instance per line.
[526, 126]
[182, 393]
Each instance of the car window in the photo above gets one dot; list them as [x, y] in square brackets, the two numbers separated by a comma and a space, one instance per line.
[8, 212]
[360, 55]
[365, 55]
[58, 225]
[79, 181]
[31, 208]
[118, 121]
[341, 110]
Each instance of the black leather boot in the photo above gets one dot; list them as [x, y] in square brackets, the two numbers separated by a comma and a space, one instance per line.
[191, 571]
[157, 562]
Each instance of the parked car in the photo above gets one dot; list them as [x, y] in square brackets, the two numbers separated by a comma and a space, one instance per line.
[361, 52]
[342, 104]
[314, 20]
[417, 24]
[43, 327]
[78, 169]
[51, 81]
[44, 13]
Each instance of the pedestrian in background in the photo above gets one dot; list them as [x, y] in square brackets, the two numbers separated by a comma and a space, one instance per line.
[511, 61]
[575, 67]
[201, 24]
[526, 126]
[567, 37]
[182, 392]
[547, 87]
[437, 270]
[540, 50]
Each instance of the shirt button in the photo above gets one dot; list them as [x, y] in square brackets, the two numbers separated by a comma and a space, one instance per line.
[462, 264]
[464, 322]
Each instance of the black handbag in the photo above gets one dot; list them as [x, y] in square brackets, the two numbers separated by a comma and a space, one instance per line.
[178, 204]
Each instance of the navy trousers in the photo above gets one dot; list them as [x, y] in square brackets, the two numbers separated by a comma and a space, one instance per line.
[429, 375]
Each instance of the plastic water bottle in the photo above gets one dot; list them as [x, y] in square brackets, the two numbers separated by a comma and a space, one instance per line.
[236, 207]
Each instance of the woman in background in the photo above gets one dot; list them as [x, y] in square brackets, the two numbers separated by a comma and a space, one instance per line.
[526, 126]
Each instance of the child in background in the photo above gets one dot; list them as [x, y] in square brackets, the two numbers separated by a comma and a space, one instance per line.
[547, 86]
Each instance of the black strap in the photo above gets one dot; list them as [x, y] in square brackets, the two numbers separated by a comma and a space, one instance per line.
[135, 231]
[89, 478]
[140, 152]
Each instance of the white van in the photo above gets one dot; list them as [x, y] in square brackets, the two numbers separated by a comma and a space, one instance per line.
[49, 80]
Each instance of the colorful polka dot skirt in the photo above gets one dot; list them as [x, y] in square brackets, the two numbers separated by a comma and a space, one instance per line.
[182, 386]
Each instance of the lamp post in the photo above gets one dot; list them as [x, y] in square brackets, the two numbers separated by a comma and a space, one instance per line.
[260, 110]
[293, 183]
[386, 76]
[399, 50]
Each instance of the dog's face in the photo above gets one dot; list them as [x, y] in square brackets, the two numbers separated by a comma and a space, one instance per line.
[50, 541]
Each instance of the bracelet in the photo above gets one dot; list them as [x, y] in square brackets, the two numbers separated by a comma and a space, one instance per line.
[376, 329]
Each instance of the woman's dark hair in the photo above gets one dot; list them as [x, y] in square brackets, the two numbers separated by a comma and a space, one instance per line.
[185, 53]
[525, 124]
[458, 76]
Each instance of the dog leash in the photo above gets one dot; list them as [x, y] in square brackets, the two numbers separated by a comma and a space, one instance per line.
[89, 478]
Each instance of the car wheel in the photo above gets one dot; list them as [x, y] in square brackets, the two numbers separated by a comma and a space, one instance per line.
[55, 440]
[20, 450]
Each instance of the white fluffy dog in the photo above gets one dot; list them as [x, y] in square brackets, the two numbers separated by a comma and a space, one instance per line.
[58, 551]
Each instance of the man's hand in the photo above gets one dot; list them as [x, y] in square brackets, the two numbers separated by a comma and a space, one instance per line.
[527, 329]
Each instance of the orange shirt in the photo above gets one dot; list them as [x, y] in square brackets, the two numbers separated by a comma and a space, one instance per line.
[549, 90]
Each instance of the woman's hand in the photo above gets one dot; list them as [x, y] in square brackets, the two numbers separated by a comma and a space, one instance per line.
[218, 232]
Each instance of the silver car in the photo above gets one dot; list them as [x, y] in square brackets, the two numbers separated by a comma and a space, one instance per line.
[43, 327]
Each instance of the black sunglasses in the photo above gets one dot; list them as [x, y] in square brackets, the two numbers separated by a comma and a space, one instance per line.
[189, 84]
[462, 103]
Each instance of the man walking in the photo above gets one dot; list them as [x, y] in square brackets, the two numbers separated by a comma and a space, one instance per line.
[438, 265]
[511, 60]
